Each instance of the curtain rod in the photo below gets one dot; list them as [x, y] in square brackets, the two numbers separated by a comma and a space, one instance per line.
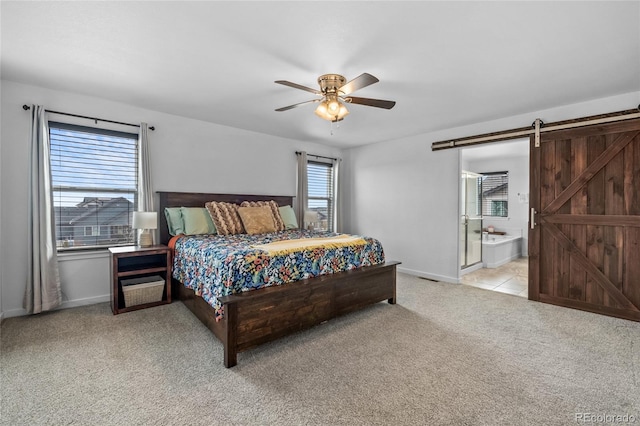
[317, 156]
[27, 107]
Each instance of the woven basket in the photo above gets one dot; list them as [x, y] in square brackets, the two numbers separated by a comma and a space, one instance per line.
[138, 291]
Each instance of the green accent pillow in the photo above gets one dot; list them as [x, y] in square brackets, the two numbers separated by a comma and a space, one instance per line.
[288, 217]
[174, 220]
[197, 221]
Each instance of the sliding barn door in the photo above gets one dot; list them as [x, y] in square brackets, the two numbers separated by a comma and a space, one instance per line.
[585, 245]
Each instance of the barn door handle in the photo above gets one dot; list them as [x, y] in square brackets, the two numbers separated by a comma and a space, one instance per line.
[532, 220]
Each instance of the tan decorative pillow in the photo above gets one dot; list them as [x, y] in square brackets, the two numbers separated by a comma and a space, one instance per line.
[275, 211]
[225, 217]
[257, 220]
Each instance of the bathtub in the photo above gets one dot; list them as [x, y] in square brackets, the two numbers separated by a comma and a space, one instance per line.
[500, 249]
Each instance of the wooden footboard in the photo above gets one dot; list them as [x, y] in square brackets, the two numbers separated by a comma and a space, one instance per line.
[259, 316]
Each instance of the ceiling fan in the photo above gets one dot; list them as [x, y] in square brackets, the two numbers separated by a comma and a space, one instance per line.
[334, 93]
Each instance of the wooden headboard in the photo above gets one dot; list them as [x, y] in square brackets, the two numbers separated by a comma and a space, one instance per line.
[198, 199]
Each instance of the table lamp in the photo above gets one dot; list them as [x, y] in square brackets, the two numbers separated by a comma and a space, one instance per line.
[310, 219]
[145, 221]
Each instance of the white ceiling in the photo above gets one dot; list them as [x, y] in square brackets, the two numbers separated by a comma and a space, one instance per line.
[445, 63]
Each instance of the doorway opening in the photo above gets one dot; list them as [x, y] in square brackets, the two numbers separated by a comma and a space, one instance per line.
[494, 208]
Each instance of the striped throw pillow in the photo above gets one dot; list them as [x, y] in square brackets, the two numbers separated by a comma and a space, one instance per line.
[225, 217]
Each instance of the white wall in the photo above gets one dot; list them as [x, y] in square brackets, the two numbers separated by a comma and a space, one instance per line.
[518, 168]
[397, 191]
[407, 195]
[186, 155]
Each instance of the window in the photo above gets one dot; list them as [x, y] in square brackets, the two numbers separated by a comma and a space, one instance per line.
[95, 183]
[321, 193]
[494, 194]
[92, 230]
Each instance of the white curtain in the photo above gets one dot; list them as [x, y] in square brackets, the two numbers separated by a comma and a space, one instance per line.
[337, 217]
[301, 196]
[145, 191]
[43, 291]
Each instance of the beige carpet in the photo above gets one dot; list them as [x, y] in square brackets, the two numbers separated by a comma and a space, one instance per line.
[445, 354]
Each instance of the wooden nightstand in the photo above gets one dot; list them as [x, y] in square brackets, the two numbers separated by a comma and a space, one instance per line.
[133, 262]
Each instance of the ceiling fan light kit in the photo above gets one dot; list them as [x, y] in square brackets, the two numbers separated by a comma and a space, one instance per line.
[331, 109]
[335, 93]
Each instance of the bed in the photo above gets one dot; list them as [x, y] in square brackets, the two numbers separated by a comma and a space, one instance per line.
[258, 316]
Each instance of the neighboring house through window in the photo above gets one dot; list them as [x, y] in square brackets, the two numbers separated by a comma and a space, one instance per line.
[95, 184]
[494, 194]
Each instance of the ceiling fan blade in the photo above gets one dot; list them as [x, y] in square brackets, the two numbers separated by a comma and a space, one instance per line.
[363, 80]
[378, 103]
[298, 86]
[297, 105]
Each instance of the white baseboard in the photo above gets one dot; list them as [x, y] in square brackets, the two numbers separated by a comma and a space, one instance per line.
[86, 301]
[65, 305]
[14, 313]
[434, 277]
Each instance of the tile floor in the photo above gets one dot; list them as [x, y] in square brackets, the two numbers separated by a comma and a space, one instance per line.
[511, 278]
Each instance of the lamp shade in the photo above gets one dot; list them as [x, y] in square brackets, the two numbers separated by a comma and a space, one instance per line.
[145, 220]
[310, 216]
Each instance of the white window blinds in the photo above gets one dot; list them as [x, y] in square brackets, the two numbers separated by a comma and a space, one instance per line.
[494, 194]
[94, 175]
[320, 193]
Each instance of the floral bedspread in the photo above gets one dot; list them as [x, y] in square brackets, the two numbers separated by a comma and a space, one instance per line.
[215, 265]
